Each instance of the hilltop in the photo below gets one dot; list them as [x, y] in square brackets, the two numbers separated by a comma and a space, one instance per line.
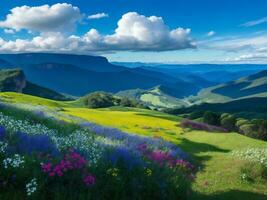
[14, 80]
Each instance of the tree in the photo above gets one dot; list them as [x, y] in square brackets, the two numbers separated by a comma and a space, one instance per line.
[99, 100]
[228, 122]
[211, 118]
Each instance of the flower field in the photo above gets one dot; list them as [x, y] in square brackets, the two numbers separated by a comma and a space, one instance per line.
[67, 151]
[92, 162]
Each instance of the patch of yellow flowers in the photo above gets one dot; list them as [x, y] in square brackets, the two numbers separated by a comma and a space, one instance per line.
[148, 172]
[113, 172]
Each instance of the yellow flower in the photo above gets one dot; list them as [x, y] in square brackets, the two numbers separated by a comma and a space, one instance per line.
[113, 172]
[148, 172]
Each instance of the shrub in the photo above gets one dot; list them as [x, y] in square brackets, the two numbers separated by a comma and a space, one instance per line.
[196, 114]
[211, 118]
[201, 126]
[99, 100]
[228, 122]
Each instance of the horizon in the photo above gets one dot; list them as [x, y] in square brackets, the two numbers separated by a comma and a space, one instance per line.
[214, 33]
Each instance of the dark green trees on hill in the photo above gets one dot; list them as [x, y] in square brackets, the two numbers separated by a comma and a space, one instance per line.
[104, 100]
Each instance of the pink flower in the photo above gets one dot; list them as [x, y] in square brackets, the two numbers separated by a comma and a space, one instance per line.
[52, 174]
[46, 167]
[89, 180]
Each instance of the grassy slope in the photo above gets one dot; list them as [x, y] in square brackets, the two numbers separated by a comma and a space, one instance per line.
[219, 176]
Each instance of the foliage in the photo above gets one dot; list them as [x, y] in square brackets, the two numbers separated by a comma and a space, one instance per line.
[211, 118]
[228, 122]
[99, 100]
[201, 126]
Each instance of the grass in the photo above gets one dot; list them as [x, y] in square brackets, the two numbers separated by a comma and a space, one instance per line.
[219, 174]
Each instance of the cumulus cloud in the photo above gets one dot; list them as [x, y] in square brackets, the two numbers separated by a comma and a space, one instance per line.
[134, 33]
[58, 17]
[98, 16]
[211, 33]
[255, 22]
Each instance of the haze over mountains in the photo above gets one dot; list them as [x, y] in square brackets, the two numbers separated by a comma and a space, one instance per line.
[159, 85]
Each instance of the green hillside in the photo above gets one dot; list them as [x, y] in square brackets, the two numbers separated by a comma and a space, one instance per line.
[218, 176]
[157, 97]
[252, 86]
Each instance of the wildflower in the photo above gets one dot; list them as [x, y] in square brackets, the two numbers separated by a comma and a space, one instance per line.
[31, 187]
[89, 180]
[113, 172]
[3, 147]
[15, 162]
[148, 172]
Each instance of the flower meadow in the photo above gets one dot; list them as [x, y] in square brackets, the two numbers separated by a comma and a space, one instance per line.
[255, 166]
[90, 162]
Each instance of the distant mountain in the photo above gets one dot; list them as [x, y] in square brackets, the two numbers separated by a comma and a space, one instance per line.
[78, 75]
[209, 72]
[4, 64]
[251, 86]
[94, 63]
[14, 80]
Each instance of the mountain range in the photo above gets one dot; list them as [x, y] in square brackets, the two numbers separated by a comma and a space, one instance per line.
[158, 86]
[79, 74]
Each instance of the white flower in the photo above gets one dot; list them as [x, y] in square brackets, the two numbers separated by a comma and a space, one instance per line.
[15, 162]
[31, 187]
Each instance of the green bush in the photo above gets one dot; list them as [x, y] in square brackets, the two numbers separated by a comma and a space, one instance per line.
[99, 100]
[228, 122]
[211, 118]
[196, 115]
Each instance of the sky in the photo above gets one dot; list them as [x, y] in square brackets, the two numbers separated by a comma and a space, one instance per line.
[153, 31]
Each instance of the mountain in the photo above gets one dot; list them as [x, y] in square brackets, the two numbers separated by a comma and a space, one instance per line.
[4, 64]
[95, 63]
[14, 80]
[210, 72]
[251, 86]
[78, 75]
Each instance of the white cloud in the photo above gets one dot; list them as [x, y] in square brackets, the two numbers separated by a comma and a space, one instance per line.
[249, 58]
[98, 16]
[9, 31]
[255, 22]
[256, 42]
[211, 33]
[134, 33]
[58, 17]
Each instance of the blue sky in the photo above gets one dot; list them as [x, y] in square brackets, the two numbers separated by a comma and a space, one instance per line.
[182, 31]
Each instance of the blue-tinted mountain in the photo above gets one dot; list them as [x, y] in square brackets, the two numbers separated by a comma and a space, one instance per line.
[78, 75]
[14, 80]
[94, 63]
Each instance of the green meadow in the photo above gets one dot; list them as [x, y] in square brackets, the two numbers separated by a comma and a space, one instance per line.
[218, 176]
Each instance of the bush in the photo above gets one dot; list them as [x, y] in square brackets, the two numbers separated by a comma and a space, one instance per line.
[99, 100]
[196, 115]
[201, 126]
[228, 122]
[211, 118]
